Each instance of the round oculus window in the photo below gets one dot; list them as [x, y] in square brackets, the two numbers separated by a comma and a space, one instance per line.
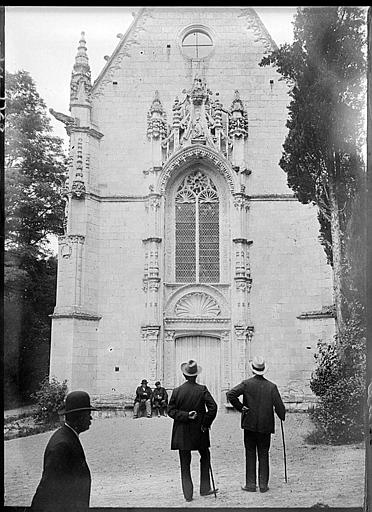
[197, 44]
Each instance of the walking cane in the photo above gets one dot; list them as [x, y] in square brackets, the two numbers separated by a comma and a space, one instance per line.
[211, 472]
[285, 460]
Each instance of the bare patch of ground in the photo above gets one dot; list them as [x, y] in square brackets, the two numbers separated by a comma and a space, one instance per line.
[132, 466]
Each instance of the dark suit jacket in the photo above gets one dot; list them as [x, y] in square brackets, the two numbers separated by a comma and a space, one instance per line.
[261, 397]
[186, 433]
[66, 481]
[143, 394]
[159, 394]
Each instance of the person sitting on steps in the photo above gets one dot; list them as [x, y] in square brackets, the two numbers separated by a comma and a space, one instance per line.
[159, 399]
[143, 397]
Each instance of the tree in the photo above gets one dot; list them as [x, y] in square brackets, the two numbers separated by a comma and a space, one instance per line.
[34, 171]
[322, 154]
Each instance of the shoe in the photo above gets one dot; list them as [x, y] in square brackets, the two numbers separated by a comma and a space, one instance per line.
[208, 493]
[188, 499]
[264, 489]
[248, 488]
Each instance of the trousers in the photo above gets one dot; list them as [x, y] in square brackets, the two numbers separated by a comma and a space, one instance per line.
[137, 406]
[257, 446]
[160, 406]
[185, 461]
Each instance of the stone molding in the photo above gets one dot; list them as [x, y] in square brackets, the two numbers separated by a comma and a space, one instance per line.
[85, 129]
[138, 198]
[150, 331]
[258, 28]
[186, 156]
[196, 320]
[272, 197]
[324, 312]
[80, 315]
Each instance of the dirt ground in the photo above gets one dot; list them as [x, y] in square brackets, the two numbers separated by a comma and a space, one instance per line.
[132, 466]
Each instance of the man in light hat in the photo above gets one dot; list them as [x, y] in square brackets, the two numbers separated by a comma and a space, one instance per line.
[66, 481]
[260, 398]
[193, 410]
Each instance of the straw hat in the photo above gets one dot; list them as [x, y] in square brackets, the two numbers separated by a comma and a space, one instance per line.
[258, 365]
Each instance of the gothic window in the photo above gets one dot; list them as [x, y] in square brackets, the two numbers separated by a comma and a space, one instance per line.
[197, 230]
[197, 44]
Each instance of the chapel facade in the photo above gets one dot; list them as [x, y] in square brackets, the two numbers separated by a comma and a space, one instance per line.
[182, 239]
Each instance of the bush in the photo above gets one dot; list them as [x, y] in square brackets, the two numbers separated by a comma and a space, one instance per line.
[339, 382]
[49, 400]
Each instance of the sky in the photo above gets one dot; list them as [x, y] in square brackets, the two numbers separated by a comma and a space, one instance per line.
[43, 41]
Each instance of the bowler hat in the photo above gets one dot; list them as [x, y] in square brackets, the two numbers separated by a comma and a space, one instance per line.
[157, 382]
[191, 368]
[258, 365]
[143, 381]
[77, 401]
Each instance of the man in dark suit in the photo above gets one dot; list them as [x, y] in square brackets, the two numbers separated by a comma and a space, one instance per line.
[260, 398]
[159, 399]
[66, 481]
[193, 410]
[143, 397]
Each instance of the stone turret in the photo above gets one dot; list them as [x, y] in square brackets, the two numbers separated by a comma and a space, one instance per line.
[80, 85]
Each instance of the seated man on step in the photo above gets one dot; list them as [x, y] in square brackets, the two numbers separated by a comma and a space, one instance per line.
[143, 398]
[159, 399]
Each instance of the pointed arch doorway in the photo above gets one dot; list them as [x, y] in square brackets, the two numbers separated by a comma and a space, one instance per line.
[206, 350]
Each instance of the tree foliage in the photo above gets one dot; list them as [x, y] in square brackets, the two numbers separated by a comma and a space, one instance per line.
[49, 399]
[322, 153]
[322, 157]
[340, 382]
[34, 170]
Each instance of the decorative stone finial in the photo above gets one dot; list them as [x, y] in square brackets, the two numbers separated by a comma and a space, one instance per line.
[238, 118]
[237, 104]
[156, 119]
[81, 59]
[81, 76]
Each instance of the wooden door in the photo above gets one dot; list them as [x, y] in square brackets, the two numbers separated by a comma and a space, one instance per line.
[206, 351]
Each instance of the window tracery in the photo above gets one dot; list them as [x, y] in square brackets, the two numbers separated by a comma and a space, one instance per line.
[197, 230]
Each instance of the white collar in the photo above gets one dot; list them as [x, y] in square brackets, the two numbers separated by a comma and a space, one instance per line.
[69, 426]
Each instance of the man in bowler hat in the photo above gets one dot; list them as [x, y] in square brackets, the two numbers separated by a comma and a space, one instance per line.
[193, 410]
[65, 483]
[143, 396]
[260, 398]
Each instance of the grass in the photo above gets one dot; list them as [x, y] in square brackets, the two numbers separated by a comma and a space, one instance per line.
[25, 425]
